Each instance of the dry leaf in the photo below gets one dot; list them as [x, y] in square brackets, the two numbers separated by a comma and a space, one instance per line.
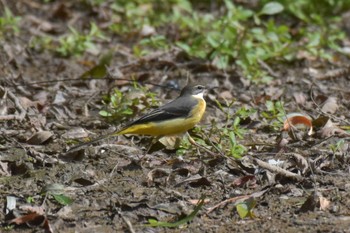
[226, 95]
[300, 98]
[157, 173]
[196, 201]
[310, 204]
[75, 133]
[250, 180]
[26, 103]
[32, 218]
[39, 137]
[274, 92]
[324, 203]
[330, 105]
[301, 162]
[4, 169]
[147, 30]
[170, 142]
[295, 121]
[331, 129]
[34, 209]
[10, 204]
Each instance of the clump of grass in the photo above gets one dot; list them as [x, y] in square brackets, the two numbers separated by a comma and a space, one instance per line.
[9, 23]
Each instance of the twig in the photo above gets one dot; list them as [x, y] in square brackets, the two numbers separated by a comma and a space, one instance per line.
[268, 68]
[128, 223]
[86, 111]
[114, 168]
[275, 169]
[239, 198]
[214, 146]
[193, 142]
[19, 107]
[234, 199]
[331, 74]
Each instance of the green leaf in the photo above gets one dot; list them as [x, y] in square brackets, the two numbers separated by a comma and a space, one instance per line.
[183, 46]
[63, 200]
[105, 113]
[188, 218]
[100, 70]
[245, 208]
[272, 8]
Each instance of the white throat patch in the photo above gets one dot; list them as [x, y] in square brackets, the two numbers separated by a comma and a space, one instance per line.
[199, 96]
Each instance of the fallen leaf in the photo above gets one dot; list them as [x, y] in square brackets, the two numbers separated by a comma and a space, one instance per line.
[298, 121]
[34, 209]
[331, 129]
[324, 203]
[274, 92]
[250, 179]
[300, 98]
[170, 142]
[320, 122]
[60, 98]
[157, 173]
[10, 204]
[196, 201]
[26, 103]
[330, 105]
[301, 162]
[4, 169]
[226, 95]
[31, 218]
[62, 199]
[147, 30]
[245, 208]
[310, 203]
[75, 133]
[40, 137]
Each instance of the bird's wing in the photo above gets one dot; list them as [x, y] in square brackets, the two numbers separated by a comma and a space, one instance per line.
[174, 109]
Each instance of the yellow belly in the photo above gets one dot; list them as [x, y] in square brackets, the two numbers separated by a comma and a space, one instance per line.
[169, 127]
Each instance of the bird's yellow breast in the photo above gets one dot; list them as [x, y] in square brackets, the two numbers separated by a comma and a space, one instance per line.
[169, 127]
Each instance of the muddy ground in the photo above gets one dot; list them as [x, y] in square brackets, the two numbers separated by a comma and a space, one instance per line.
[298, 180]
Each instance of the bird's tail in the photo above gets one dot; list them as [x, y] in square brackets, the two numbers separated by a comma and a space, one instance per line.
[85, 144]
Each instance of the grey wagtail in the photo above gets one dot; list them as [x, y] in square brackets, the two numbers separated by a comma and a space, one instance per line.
[175, 117]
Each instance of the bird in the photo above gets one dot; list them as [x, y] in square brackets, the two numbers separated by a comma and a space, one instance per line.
[173, 118]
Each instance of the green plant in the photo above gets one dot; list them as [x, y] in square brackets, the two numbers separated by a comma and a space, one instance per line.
[245, 208]
[77, 43]
[236, 149]
[337, 146]
[238, 35]
[309, 11]
[319, 35]
[183, 220]
[154, 42]
[9, 23]
[274, 113]
[9, 227]
[56, 191]
[30, 200]
[123, 106]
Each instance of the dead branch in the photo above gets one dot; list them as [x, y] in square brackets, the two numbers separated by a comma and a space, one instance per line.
[278, 170]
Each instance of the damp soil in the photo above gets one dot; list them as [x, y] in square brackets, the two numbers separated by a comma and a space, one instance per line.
[116, 185]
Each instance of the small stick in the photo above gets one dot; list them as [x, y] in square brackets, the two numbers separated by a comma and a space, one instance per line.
[275, 169]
